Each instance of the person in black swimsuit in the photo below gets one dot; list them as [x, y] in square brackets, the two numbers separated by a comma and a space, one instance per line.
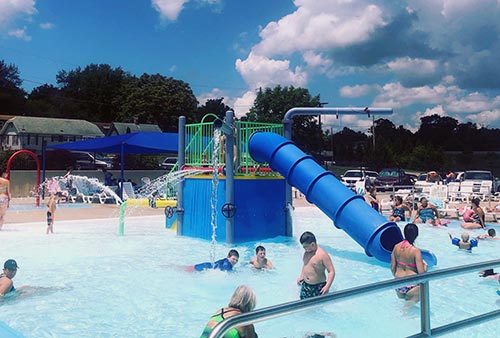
[9, 272]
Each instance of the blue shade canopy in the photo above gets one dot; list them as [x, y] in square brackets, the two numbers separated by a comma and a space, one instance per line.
[133, 143]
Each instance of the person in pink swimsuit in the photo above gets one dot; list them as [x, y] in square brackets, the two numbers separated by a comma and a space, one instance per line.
[406, 260]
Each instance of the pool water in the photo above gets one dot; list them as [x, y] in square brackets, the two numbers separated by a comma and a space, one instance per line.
[86, 281]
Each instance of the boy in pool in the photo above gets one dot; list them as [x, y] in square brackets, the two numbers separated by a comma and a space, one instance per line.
[463, 243]
[225, 264]
[313, 279]
[491, 234]
[51, 210]
[260, 261]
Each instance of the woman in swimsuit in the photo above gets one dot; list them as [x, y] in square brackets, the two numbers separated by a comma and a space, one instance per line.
[427, 213]
[4, 196]
[398, 210]
[243, 300]
[477, 217]
[406, 260]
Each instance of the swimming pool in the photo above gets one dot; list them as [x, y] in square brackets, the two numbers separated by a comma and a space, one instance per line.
[88, 282]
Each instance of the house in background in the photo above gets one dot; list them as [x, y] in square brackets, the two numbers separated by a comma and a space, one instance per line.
[31, 133]
[120, 128]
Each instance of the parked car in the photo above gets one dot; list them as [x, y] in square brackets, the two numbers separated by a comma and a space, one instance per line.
[350, 177]
[478, 176]
[169, 163]
[88, 161]
[390, 178]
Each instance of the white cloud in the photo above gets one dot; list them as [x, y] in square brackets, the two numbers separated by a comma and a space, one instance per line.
[243, 103]
[474, 102]
[408, 65]
[396, 96]
[316, 61]
[259, 71]
[169, 9]
[19, 33]
[320, 25]
[12, 9]
[486, 118]
[47, 25]
[216, 93]
[358, 90]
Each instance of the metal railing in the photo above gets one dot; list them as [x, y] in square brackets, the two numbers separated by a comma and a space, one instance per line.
[425, 322]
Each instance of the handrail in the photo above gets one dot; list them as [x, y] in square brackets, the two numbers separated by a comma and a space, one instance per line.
[309, 303]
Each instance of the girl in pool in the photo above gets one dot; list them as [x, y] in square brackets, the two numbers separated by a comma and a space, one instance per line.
[477, 218]
[406, 260]
[4, 196]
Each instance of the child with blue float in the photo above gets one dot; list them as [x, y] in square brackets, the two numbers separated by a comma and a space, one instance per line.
[224, 264]
[463, 243]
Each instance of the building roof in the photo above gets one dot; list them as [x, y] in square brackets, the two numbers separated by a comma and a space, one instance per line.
[126, 128]
[52, 126]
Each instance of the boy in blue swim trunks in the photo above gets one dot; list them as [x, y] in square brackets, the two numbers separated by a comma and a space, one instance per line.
[313, 280]
[225, 264]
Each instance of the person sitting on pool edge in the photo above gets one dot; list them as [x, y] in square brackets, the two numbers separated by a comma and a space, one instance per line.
[9, 272]
[463, 243]
[224, 264]
[260, 261]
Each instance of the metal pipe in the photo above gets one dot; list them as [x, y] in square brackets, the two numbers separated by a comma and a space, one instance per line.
[180, 186]
[314, 302]
[229, 144]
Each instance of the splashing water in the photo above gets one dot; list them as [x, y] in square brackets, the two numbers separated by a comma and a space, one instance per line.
[166, 185]
[213, 197]
[80, 186]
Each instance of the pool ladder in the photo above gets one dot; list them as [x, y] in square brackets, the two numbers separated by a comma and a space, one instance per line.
[425, 319]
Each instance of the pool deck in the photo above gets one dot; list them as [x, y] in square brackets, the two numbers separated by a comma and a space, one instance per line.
[98, 211]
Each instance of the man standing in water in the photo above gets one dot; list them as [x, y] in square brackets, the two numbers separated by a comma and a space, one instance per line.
[313, 279]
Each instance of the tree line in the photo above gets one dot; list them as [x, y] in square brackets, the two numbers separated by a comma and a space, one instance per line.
[101, 93]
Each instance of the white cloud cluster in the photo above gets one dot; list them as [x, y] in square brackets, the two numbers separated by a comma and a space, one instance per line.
[260, 71]
[12, 9]
[169, 9]
[432, 55]
[10, 12]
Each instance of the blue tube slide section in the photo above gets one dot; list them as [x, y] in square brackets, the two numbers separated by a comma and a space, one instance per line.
[8, 332]
[347, 210]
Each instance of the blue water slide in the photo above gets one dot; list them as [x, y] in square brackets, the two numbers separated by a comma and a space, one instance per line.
[8, 332]
[347, 210]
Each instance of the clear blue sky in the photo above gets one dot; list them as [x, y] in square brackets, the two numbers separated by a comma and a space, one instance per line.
[418, 57]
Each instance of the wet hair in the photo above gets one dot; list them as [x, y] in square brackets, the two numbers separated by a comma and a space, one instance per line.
[243, 298]
[399, 199]
[259, 248]
[411, 232]
[465, 236]
[492, 232]
[59, 194]
[475, 201]
[233, 252]
[307, 238]
[423, 198]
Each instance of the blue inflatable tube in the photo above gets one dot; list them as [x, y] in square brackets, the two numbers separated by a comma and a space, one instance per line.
[347, 210]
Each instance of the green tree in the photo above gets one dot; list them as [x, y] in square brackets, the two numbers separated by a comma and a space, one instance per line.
[94, 93]
[44, 101]
[160, 100]
[211, 106]
[271, 104]
[12, 97]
